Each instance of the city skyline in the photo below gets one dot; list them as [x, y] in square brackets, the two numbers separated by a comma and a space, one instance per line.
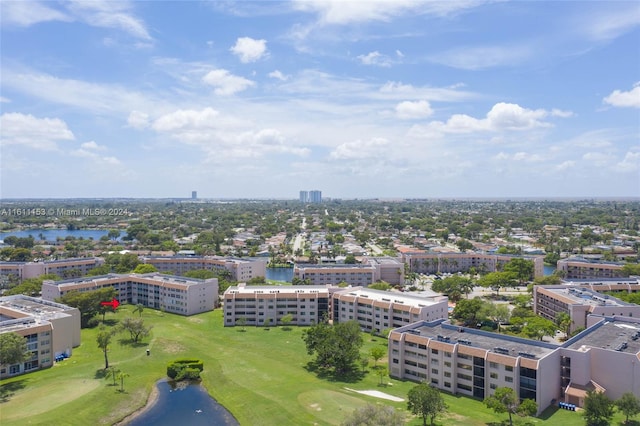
[377, 99]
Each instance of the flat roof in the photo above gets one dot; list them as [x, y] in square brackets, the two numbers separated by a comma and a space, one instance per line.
[38, 310]
[253, 289]
[585, 296]
[612, 335]
[131, 277]
[493, 342]
[392, 297]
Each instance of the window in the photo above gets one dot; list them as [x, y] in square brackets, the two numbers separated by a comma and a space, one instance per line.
[493, 375]
[508, 379]
[434, 371]
[493, 386]
[508, 368]
[447, 384]
[434, 351]
[447, 374]
[493, 364]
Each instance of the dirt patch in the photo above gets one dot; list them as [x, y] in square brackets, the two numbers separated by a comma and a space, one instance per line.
[169, 346]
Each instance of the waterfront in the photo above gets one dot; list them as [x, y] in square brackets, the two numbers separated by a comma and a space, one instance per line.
[52, 235]
[189, 405]
[279, 274]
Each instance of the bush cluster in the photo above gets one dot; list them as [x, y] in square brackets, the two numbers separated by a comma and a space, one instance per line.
[185, 369]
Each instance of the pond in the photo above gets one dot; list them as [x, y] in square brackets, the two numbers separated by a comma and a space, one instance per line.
[279, 274]
[184, 405]
[51, 235]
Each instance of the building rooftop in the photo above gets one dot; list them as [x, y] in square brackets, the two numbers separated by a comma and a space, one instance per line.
[584, 296]
[392, 297]
[153, 275]
[253, 289]
[37, 311]
[614, 334]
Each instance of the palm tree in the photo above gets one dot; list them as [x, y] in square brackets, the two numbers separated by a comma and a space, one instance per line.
[121, 376]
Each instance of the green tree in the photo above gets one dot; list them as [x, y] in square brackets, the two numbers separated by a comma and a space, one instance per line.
[521, 268]
[139, 309]
[454, 286]
[242, 322]
[538, 327]
[629, 405]
[563, 321]
[286, 321]
[377, 353]
[379, 415]
[598, 408]
[88, 303]
[469, 311]
[426, 401]
[202, 274]
[144, 268]
[381, 286]
[103, 339]
[335, 347]
[505, 400]
[350, 259]
[121, 376]
[497, 280]
[135, 327]
[112, 372]
[13, 349]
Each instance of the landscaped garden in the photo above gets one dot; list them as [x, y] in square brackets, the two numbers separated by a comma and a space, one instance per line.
[261, 375]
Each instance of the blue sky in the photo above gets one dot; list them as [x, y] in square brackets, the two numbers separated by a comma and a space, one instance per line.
[358, 99]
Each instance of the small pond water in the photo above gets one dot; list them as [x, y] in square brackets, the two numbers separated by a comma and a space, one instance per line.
[187, 405]
[279, 274]
[51, 235]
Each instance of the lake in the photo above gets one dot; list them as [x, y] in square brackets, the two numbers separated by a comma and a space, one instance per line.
[279, 274]
[189, 405]
[51, 235]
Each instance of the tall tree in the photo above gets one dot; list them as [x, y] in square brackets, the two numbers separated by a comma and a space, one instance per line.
[521, 268]
[505, 400]
[497, 280]
[88, 303]
[598, 408]
[379, 415]
[135, 327]
[377, 352]
[426, 401]
[13, 349]
[104, 340]
[629, 405]
[336, 347]
[139, 309]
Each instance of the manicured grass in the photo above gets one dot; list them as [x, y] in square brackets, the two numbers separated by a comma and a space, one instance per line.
[260, 375]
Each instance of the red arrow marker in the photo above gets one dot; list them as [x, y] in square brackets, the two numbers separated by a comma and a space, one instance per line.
[114, 304]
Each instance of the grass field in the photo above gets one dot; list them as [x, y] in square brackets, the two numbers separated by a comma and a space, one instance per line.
[259, 375]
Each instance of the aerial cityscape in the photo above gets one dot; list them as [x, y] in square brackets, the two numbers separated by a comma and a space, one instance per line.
[319, 212]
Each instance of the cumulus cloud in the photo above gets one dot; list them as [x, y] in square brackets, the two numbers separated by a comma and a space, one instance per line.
[4, 100]
[630, 99]
[138, 120]
[93, 146]
[372, 148]
[278, 75]
[226, 83]
[565, 165]
[187, 120]
[249, 49]
[630, 162]
[408, 110]
[375, 58]
[91, 151]
[483, 57]
[38, 133]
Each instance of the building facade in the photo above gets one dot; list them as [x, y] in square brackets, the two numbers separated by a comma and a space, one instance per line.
[334, 274]
[377, 310]
[578, 302]
[267, 305]
[50, 329]
[474, 362]
[427, 262]
[241, 270]
[64, 268]
[177, 295]
[581, 268]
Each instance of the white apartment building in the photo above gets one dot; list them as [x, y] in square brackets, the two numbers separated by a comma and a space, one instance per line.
[177, 295]
[241, 270]
[334, 274]
[582, 268]
[51, 329]
[474, 362]
[266, 305]
[427, 262]
[377, 310]
[62, 267]
[579, 302]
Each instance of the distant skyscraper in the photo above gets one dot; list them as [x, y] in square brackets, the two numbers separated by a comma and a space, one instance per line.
[194, 195]
[304, 196]
[315, 196]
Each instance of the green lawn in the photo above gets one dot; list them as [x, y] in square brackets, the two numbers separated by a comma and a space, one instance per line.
[259, 375]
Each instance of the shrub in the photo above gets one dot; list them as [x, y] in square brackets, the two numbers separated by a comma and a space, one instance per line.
[182, 369]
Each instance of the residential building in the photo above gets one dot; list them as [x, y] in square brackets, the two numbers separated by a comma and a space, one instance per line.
[583, 268]
[50, 329]
[578, 302]
[377, 310]
[315, 196]
[429, 262]
[241, 270]
[334, 274]
[388, 269]
[266, 305]
[64, 268]
[304, 196]
[177, 295]
[474, 362]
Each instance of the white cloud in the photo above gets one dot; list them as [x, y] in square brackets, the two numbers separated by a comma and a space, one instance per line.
[4, 100]
[92, 145]
[249, 49]
[630, 99]
[278, 75]
[138, 120]
[26, 13]
[27, 130]
[226, 83]
[408, 110]
[187, 120]
[598, 158]
[555, 112]
[372, 148]
[630, 163]
[566, 165]
[610, 23]
[399, 54]
[375, 58]
[110, 14]
[477, 58]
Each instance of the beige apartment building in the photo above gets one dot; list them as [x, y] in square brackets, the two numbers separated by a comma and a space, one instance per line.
[377, 310]
[334, 274]
[579, 302]
[474, 363]
[582, 268]
[241, 270]
[63, 268]
[428, 262]
[50, 329]
[177, 295]
[266, 305]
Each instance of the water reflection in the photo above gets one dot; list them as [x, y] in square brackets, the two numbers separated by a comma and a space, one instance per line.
[184, 405]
